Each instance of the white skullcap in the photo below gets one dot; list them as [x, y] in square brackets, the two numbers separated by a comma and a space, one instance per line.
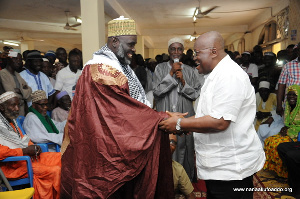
[269, 54]
[45, 59]
[12, 54]
[175, 40]
[6, 96]
[264, 84]
[247, 53]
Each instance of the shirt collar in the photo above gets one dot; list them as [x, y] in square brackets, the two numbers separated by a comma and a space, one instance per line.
[32, 73]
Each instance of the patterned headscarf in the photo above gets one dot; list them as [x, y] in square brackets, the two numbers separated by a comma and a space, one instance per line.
[38, 95]
[136, 90]
[292, 118]
[6, 96]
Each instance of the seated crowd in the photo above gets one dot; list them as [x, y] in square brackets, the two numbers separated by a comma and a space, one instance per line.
[42, 90]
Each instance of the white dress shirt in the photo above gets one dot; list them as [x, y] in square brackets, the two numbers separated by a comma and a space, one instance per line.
[235, 153]
[66, 79]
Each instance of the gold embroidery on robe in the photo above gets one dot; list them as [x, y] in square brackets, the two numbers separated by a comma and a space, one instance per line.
[107, 75]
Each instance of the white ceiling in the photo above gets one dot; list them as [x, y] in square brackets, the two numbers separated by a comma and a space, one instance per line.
[157, 20]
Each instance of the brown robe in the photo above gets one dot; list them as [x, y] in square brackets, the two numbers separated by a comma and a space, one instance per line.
[115, 149]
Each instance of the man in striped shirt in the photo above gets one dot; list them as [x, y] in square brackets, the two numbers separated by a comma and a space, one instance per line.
[290, 75]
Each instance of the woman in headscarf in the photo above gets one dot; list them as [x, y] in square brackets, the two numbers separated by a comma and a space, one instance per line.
[288, 133]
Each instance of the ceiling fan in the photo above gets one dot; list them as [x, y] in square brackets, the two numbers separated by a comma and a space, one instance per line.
[194, 36]
[68, 26]
[198, 14]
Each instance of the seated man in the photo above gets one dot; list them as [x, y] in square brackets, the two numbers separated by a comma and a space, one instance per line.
[61, 112]
[46, 166]
[289, 152]
[38, 125]
[182, 183]
[266, 103]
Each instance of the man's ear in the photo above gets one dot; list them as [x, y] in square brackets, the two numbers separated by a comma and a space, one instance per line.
[115, 41]
[214, 52]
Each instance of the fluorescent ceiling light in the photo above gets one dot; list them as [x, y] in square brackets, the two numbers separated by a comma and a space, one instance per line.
[78, 19]
[10, 43]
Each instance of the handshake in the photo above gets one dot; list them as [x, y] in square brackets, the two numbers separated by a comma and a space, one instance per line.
[172, 124]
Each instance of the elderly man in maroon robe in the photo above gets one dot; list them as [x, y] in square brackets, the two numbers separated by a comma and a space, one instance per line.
[112, 146]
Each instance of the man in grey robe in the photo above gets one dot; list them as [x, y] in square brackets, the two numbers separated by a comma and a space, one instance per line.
[176, 86]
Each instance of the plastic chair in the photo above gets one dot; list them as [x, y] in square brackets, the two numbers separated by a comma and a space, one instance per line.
[20, 121]
[29, 179]
[18, 194]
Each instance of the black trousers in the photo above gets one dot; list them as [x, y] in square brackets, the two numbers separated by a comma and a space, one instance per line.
[289, 152]
[218, 189]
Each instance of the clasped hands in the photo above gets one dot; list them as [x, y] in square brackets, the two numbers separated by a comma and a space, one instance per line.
[177, 70]
[169, 124]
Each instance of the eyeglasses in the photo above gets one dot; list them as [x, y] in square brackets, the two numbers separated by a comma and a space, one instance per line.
[42, 105]
[196, 52]
[173, 49]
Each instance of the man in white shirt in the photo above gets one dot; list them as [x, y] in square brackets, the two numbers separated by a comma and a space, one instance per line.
[250, 68]
[228, 150]
[67, 77]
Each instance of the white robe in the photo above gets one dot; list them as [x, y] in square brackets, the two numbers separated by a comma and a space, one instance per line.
[37, 132]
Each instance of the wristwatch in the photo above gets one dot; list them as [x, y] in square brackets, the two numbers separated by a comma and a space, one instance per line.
[178, 127]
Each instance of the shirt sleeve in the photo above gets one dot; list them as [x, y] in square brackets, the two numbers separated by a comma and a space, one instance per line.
[6, 81]
[283, 75]
[184, 184]
[59, 82]
[7, 152]
[25, 92]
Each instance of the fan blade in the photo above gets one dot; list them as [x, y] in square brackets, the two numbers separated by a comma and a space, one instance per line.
[209, 10]
[75, 25]
[69, 28]
[208, 17]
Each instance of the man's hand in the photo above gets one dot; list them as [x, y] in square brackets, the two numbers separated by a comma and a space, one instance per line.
[269, 121]
[175, 67]
[283, 131]
[171, 114]
[169, 125]
[32, 150]
[179, 76]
